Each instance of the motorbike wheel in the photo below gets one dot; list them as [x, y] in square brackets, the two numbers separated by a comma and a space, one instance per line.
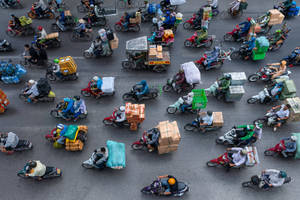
[127, 97]
[253, 78]
[259, 121]
[31, 15]
[87, 54]
[54, 113]
[188, 43]
[211, 164]
[137, 28]
[88, 37]
[118, 27]
[10, 33]
[159, 68]
[127, 65]
[137, 146]
[190, 127]
[228, 37]
[107, 122]
[187, 25]
[154, 95]
[276, 47]
[167, 88]
[219, 141]
[23, 97]
[247, 184]
[252, 100]
[102, 22]
[85, 93]
[54, 27]
[51, 15]
[21, 174]
[50, 77]
[269, 153]
[287, 180]
[171, 110]
[208, 44]
[235, 55]
[87, 166]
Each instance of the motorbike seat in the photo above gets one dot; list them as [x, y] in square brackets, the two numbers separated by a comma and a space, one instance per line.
[49, 170]
[181, 186]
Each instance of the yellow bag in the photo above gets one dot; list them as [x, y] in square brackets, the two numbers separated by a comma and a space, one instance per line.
[51, 94]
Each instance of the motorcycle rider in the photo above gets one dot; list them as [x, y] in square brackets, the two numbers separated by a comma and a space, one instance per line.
[61, 130]
[188, 100]
[204, 119]
[278, 71]
[235, 6]
[249, 134]
[198, 19]
[152, 139]
[42, 35]
[212, 57]
[180, 80]
[10, 141]
[32, 91]
[290, 144]
[251, 46]
[39, 8]
[144, 90]
[282, 115]
[126, 21]
[287, 4]
[275, 37]
[78, 107]
[169, 183]
[223, 84]
[56, 68]
[271, 178]
[68, 108]
[246, 27]
[16, 23]
[120, 116]
[201, 35]
[101, 157]
[34, 168]
[96, 84]
[80, 28]
[169, 21]
[237, 158]
[30, 54]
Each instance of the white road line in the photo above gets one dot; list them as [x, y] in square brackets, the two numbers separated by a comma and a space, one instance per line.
[19, 57]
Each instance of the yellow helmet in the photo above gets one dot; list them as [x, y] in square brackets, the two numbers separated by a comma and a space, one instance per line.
[283, 62]
[171, 181]
[58, 131]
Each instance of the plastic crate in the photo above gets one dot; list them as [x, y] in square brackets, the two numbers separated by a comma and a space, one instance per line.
[199, 99]
[258, 56]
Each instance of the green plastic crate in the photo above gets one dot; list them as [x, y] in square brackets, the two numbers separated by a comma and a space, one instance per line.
[200, 99]
[258, 56]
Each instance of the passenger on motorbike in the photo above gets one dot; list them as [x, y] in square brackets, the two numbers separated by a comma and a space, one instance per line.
[213, 3]
[35, 169]
[101, 157]
[96, 84]
[272, 178]
[68, 108]
[235, 6]
[16, 23]
[56, 68]
[204, 119]
[282, 115]
[237, 158]
[188, 100]
[198, 18]
[59, 133]
[246, 26]
[152, 139]
[169, 184]
[78, 107]
[248, 133]
[290, 144]
[287, 4]
[120, 116]
[144, 90]
[212, 56]
[169, 21]
[202, 34]
[278, 71]
[61, 19]
[126, 21]
[224, 83]
[42, 35]
[30, 54]
[39, 7]
[180, 80]
[80, 28]
[10, 141]
[32, 91]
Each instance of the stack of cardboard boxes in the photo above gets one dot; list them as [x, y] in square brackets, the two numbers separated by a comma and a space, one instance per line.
[218, 119]
[52, 35]
[169, 137]
[155, 52]
[67, 65]
[276, 17]
[74, 146]
[289, 90]
[137, 19]
[295, 108]
[135, 114]
[114, 43]
[3, 101]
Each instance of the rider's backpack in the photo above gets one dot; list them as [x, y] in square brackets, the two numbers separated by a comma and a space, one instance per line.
[43, 87]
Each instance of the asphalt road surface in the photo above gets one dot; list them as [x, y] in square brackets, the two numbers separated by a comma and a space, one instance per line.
[188, 164]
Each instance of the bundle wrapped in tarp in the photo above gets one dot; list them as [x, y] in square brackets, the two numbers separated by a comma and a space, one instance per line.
[192, 73]
[177, 2]
[108, 84]
[298, 145]
[116, 155]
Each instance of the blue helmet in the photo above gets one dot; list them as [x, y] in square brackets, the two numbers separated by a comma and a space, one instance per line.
[282, 174]
[168, 13]
[143, 82]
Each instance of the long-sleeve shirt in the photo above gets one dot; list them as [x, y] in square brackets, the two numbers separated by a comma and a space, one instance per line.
[33, 90]
[43, 34]
[271, 176]
[39, 170]
[41, 4]
[249, 131]
[12, 140]
[121, 117]
[291, 146]
[237, 158]
[214, 3]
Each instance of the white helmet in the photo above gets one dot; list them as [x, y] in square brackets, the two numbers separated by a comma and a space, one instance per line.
[191, 94]
[31, 81]
[294, 138]
[95, 78]
[122, 108]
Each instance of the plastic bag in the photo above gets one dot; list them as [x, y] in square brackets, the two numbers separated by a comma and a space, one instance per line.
[192, 73]
[177, 2]
[108, 84]
[116, 154]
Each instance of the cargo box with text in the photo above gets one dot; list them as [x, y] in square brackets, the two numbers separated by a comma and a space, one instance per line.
[135, 115]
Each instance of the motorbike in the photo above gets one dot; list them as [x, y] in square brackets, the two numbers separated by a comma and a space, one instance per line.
[291, 12]
[265, 74]
[85, 7]
[231, 138]
[87, 92]
[195, 126]
[277, 150]
[89, 164]
[224, 55]
[270, 118]
[172, 109]
[255, 183]
[293, 59]
[13, 4]
[5, 46]
[57, 113]
[46, 14]
[51, 172]
[277, 45]
[157, 189]
[141, 143]
[262, 97]
[94, 21]
[111, 120]
[189, 24]
[67, 26]
[84, 36]
[146, 16]
[158, 41]
[50, 43]
[171, 85]
[23, 145]
[48, 98]
[119, 27]
[167, 7]
[52, 76]
[131, 96]
[22, 31]
[91, 52]
[242, 53]
[158, 22]
[207, 43]
[235, 35]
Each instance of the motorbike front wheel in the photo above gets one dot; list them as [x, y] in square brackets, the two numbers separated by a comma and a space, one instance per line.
[136, 28]
[21, 174]
[219, 141]
[252, 100]
[247, 184]
[87, 54]
[85, 93]
[107, 122]
[228, 37]
[23, 97]
[118, 27]
[171, 110]
[275, 47]
[137, 146]
[235, 55]
[259, 121]
[253, 78]
[269, 153]
[10, 33]
[187, 25]
[50, 77]
[188, 43]
[190, 127]
[167, 88]
[128, 97]
[54, 113]
[208, 44]
[211, 164]
[127, 64]
[87, 166]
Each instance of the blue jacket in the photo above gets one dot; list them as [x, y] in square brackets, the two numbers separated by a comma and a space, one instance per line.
[70, 105]
[80, 26]
[246, 26]
[290, 145]
[251, 43]
[145, 89]
[99, 84]
[169, 20]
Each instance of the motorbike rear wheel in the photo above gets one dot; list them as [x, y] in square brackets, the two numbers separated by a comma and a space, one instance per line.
[187, 25]
[276, 47]
[127, 65]
[21, 174]
[190, 127]
[211, 164]
[235, 55]
[247, 184]
[171, 110]
[54, 113]
[85, 93]
[259, 121]
[118, 27]
[50, 77]
[10, 33]
[137, 146]
[188, 43]
[87, 54]
[108, 122]
[87, 166]
[167, 88]
[208, 44]
[253, 78]
[159, 68]
[269, 153]
[219, 141]
[252, 100]
[136, 28]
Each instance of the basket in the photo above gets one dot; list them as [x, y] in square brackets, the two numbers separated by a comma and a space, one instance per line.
[199, 99]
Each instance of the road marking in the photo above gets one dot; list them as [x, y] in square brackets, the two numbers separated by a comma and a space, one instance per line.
[20, 57]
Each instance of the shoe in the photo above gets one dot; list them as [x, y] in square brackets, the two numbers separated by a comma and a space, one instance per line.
[275, 129]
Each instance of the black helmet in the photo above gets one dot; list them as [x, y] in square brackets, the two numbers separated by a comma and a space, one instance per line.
[209, 113]
[32, 164]
[255, 180]
[77, 98]
[227, 76]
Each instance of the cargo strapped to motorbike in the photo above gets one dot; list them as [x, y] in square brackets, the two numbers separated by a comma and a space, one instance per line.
[199, 99]
[71, 133]
[116, 155]
[297, 155]
[108, 85]
[67, 65]
[25, 20]
[252, 156]
[191, 72]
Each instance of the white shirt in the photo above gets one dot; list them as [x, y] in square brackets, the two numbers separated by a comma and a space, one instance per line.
[214, 3]
[39, 170]
[43, 34]
[12, 140]
[121, 117]
[237, 158]
[208, 119]
[273, 177]
[283, 113]
[33, 90]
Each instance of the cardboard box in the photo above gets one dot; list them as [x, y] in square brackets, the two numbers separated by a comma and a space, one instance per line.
[159, 55]
[166, 149]
[169, 133]
[159, 48]
[235, 93]
[68, 13]
[52, 35]
[218, 119]
[152, 53]
[114, 44]
[295, 108]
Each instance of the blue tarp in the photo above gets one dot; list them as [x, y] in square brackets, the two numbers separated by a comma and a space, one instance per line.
[116, 154]
[11, 73]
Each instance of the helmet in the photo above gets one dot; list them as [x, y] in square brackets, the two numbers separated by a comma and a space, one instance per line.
[56, 61]
[282, 174]
[77, 98]
[227, 76]
[294, 138]
[283, 62]
[92, 6]
[143, 82]
[244, 151]
[191, 94]
[60, 126]
[31, 81]
[249, 19]
[122, 108]
[168, 13]
[32, 164]
[40, 28]
[171, 181]
[209, 113]
[95, 78]
[203, 28]
[81, 21]
[255, 180]
[278, 31]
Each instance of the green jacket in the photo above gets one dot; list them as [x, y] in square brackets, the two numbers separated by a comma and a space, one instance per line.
[224, 83]
[250, 131]
[287, 3]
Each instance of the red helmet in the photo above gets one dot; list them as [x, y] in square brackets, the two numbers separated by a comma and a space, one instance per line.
[249, 19]
[40, 28]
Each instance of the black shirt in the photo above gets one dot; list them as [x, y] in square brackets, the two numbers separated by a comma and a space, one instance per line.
[33, 53]
[174, 188]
